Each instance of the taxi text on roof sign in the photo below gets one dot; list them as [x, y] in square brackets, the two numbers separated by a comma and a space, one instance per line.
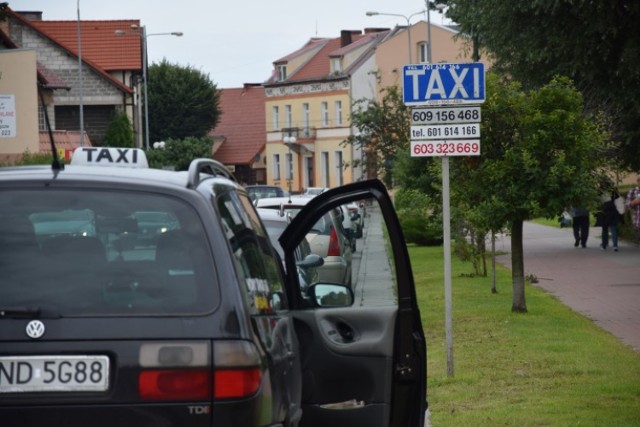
[109, 156]
[441, 84]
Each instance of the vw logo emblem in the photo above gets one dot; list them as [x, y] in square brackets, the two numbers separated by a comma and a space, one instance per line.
[35, 329]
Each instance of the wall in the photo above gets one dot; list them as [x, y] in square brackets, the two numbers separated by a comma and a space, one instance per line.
[19, 102]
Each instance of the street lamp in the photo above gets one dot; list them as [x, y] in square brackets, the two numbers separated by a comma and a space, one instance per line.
[439, 7]
[289, 139]
[407, 18]
[143, 35]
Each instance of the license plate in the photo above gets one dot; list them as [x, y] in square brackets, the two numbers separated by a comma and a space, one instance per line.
[53, 373]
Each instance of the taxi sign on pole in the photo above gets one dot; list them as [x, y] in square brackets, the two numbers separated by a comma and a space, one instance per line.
[443, 84]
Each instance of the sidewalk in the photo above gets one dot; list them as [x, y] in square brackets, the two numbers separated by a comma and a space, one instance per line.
[602, 285]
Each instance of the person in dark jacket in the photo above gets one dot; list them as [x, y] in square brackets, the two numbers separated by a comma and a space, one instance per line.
[609, 218]
[580, 223]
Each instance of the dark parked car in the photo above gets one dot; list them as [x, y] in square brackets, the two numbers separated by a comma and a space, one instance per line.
[201, 325]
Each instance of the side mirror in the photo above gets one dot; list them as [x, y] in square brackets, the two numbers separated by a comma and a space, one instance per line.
[311, 260]
[331, 295]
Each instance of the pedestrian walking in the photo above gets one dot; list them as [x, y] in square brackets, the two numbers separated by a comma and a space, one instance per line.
[580, 222]
[633, 205]
[608, 218]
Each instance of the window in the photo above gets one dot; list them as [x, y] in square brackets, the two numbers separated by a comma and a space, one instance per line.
[338, 106]
[336, 65]
[148, 255]
[339, 170]
[289, 162]
[276, 166]
[281, 72]
[251, 246]
[288, 116]
[324, 164]
[305, 119]
[42, 124]
[275, 117]
[423, 52]
[308, 161]
[325, 114]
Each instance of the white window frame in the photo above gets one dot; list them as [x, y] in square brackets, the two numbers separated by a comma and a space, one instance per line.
[276, 166]
[336, 65]
[275, 117]
[324, 167]
[306, 119]
[325, 114]
[282, 72]
[288, 115]
[423, 52]
[289, 166]
[339, 170]
[338, 113]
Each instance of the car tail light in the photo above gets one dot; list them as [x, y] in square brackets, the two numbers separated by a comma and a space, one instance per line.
[184, 371]
[334, 244]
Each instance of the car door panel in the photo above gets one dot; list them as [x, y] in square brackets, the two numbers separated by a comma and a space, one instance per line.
[363, 362]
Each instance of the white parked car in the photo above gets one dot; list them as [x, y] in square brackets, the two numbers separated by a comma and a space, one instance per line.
[327, 238]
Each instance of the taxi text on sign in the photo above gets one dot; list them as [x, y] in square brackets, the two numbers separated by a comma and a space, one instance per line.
[443, 84]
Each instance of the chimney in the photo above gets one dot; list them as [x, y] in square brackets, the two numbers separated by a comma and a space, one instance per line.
[30, 15]
[346, 37]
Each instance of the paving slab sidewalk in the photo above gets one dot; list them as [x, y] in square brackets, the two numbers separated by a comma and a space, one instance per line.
[602, 285]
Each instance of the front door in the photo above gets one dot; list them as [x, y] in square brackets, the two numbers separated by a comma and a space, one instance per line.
[363, 352]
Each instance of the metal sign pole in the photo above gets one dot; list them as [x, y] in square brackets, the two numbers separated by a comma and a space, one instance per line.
[446, 230]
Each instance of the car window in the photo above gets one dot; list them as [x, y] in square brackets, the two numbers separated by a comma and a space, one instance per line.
[103, 253]
[252, 251]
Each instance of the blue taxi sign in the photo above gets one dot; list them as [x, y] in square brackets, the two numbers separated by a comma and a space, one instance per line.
[109, 156]
[443, 84]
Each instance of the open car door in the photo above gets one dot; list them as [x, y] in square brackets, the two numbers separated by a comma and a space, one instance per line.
[363, 352]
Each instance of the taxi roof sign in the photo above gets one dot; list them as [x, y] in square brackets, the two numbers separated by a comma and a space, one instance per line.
[110, 156]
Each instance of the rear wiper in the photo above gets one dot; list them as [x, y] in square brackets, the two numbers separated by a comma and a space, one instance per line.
[27, 312]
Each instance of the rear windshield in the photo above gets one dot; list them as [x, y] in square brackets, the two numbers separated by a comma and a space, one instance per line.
[101, 253]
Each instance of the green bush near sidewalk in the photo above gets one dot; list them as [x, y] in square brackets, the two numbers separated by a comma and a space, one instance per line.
[550, 367]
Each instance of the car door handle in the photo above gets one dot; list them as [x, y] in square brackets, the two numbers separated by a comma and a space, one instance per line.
[345, 331]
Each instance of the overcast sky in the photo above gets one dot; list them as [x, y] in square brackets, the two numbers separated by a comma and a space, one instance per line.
[233, 41]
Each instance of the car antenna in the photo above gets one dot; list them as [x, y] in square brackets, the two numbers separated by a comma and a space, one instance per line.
[56, 165]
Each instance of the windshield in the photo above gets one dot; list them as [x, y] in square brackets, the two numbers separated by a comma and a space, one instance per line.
[94, 252]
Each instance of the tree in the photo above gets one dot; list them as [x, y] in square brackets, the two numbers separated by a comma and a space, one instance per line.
[595, 43]
[119, 133]
[540, 154]
[183, 102]
[383, 131]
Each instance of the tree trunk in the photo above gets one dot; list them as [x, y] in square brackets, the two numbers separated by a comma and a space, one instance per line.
[519, 304]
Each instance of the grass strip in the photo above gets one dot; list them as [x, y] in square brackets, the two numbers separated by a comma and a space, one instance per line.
[549, 367]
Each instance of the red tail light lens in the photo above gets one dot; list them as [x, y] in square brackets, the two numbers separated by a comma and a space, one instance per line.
[236, 383]
[184, 371]
[175, 384]
[334, 244]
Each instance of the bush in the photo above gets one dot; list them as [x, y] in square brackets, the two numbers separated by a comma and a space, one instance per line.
[419, 217]
[119, 133]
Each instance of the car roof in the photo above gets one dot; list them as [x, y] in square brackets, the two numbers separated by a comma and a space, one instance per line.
[117, 175]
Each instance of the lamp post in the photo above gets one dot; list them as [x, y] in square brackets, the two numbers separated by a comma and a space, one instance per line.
[80, 89]
[407, 18]
[439, 7]
[289, 139]
[143, 35]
